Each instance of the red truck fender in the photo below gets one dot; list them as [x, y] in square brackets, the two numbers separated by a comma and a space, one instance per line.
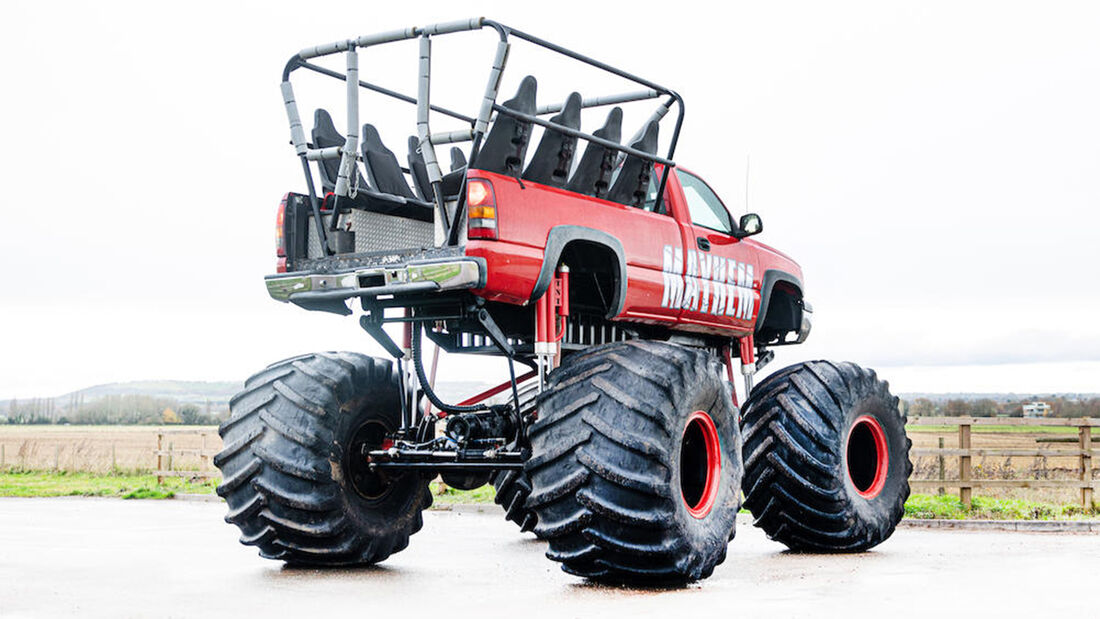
[561, 236]
[771, 277]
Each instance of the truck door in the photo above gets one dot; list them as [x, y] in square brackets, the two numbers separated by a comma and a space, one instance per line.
[721, 281]
[648, 236]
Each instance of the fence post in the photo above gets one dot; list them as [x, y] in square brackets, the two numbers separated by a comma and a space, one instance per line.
[57, 458]
[160, 444]
[2, 454]
[964, 465]
[202, 453]
[1085, 435]
[941, 459]
[170, 448]
[114, 459]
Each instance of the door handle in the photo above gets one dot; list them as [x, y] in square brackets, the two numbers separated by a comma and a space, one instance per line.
[703, 243]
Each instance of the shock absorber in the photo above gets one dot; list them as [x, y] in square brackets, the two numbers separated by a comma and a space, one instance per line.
[748, 362]
[551, 306]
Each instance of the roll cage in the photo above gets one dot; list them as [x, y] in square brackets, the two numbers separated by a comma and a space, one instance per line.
[427, 139]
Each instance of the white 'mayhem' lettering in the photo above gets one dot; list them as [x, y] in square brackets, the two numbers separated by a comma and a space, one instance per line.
[674, 282]
[699, 282]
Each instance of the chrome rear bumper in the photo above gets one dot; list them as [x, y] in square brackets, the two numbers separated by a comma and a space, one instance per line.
[327, 292]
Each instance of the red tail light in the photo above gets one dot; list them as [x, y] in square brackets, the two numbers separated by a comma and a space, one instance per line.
[280, 229]
[280, 235]
[481, 209]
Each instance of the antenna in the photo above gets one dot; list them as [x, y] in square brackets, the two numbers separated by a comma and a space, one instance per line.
[747, 160]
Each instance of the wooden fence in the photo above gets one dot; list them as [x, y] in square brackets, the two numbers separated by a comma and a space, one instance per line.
[965, 452]
[166, 453]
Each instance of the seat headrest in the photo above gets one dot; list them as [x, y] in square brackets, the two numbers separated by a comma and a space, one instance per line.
[383, 170]
[553, 159]
[593, 174]
[505, 146]
[419, 171]
[648, 142]
[632, 183]
[458, 159]
[612, 128]
[325, 135]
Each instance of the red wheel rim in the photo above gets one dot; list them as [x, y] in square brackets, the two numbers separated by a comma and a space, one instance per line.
[700, 464]
[868, 456]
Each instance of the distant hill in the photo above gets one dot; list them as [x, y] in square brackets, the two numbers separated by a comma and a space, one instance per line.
[114, 399]
[182, 390]
[217, 393]
[997, 397]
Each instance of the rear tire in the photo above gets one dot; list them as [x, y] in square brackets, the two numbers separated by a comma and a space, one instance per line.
[292, 475]
[826, 457]
[512, 489]
[635, 464]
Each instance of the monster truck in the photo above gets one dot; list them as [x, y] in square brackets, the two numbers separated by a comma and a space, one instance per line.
[616, 276]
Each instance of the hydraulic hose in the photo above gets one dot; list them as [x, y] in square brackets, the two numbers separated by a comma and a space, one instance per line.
[427, 388]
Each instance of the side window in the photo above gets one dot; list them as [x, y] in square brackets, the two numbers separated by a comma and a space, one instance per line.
[705, 207]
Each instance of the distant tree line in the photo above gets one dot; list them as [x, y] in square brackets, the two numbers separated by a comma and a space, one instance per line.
[988, 407]
[111, 410]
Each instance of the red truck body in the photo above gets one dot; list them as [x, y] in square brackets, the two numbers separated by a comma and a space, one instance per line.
[670, 281]
[668, 271]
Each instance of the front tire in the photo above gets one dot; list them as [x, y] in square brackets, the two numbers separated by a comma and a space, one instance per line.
[827, 459]
[292, 472]
[635, 464]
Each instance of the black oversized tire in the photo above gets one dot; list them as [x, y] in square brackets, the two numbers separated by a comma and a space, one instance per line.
[816, 478]
[288, 467]
[512, 489]
[627, 435]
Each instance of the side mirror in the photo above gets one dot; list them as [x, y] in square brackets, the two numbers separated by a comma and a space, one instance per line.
[749, 225]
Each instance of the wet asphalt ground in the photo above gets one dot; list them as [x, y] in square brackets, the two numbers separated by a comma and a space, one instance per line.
[114, 558]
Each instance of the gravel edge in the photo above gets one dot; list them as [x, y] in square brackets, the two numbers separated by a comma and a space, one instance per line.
[1025, 526]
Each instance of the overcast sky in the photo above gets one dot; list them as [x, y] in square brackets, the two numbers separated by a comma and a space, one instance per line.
[933, 167]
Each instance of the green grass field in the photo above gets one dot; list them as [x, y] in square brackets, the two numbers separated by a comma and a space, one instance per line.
[445, 495]
[124, 485]
[949, 507]
[120, 485]
[141, 486]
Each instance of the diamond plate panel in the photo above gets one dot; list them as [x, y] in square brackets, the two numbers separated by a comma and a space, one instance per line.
[378, 232]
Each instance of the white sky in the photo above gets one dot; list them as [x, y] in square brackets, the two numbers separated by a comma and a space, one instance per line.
[933, 167]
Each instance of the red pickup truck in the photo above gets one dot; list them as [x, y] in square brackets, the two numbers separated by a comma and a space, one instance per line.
[618, 277]
[686, 268]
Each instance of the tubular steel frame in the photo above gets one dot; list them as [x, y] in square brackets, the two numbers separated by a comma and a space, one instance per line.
[348, 153]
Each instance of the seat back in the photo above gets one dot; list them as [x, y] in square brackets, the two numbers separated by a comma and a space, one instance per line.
[593, 174]
[325, 135]
[505, 146]
[632, 183]
[458, 159]
[419, 171]
[383, 170]
[553, 159]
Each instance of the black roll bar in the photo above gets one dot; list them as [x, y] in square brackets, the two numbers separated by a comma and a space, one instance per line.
[384, 91]
[451, 228]
[622, 148]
